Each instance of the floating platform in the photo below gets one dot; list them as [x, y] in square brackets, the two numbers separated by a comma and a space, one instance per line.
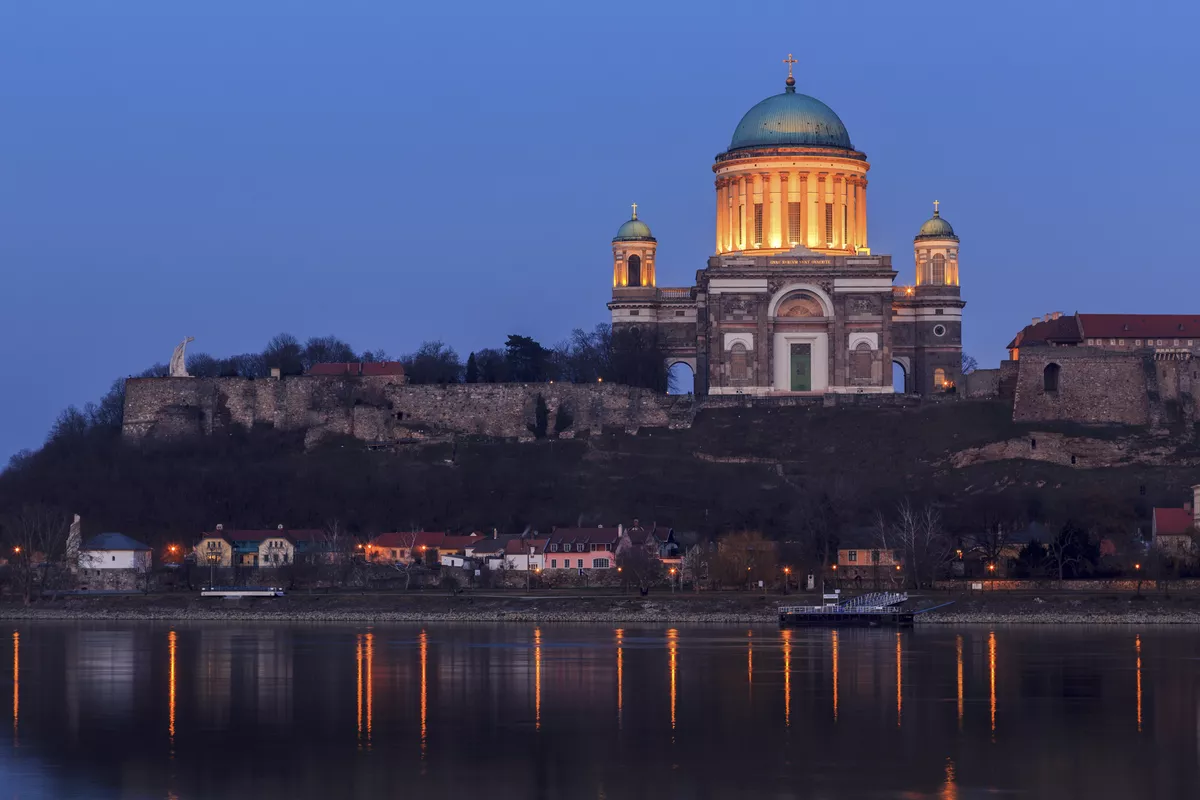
[239, 592]
[875, 610]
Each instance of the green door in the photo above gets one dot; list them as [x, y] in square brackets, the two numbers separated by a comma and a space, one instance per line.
[801, 367]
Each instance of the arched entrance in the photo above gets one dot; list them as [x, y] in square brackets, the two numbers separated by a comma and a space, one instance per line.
[681, 378]
[800, 315]
[899, 378]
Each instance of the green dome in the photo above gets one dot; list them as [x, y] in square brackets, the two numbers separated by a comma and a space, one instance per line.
[936, 228]
[790, 119]
[634, 230]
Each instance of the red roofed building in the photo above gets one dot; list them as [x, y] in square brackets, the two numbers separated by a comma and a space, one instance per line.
[356, 369]
[424, 546]
[1122, 332]
[1172, 529]
[583, 548]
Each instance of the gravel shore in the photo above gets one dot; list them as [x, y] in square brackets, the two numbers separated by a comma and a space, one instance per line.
[705, 609]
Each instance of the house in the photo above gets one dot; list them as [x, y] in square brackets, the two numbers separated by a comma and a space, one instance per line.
[489, 552]
[1171, 529]
[582, 548]
[113, 561]
[426, 547]
[263, 548]
[524, 555]
[862, 562]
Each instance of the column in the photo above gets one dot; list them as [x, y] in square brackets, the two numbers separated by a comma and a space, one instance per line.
[744, 189]
[785, 204]
[722, 216]
[770, 182]
[730, 188]
[819, 208]
[805, 211]
[839, 207]
[862, 212]
[852, 212]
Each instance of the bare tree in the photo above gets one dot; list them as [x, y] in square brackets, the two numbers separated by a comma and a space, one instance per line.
[1063, 549]
[693, 566]
[339, 553]
[919, 535]
[642, 565]
[36, 539]
[405, 564]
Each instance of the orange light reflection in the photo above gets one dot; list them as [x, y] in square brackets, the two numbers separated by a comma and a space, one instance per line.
[16, 639]
[370, 647]
[992, 674]
[672, 648]
[424, 639]
[958, 645]
[787, 677]
[358, 657]
[835, 675]
[171, 644]
[620, 675]
[950, 786]
[1137, 643]
[899, 683]
[537, 689]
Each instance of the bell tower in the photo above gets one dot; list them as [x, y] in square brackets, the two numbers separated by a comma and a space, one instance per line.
[935, 252]
[633, 254]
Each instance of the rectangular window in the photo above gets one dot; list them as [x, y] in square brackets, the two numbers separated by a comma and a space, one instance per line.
[553, 548]
[680, 313]
[794, 235]
[758, 223]
[554, 563]
[600, 563]
[845, 223]
[579, 549]
[581, 563]
[1137, 342]
[1121, 342]
[852, 555]
[635, 313]
[828, 224]
[875, 556]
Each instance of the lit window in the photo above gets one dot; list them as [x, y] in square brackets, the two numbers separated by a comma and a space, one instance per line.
[1121, 342]
[758, 223]
[939, 379]
[828, 224]
[1137, 342]
[938, 278]
[794, 223]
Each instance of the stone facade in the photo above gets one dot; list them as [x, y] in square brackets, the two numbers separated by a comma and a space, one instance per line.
[1097, 386]
[381, 409]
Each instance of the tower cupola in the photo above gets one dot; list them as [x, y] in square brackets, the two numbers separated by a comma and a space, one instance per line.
[633, 254]
[935, 251]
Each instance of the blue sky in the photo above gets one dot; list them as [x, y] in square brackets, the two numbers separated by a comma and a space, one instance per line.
[389, 172]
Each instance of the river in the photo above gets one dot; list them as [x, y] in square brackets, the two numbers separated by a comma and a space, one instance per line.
[242, 710]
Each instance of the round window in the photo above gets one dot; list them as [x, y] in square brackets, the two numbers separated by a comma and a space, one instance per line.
[939, 330]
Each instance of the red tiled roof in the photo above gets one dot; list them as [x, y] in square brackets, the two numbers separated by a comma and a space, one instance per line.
[586, 536]
[1064, 330]
[409, 539]
[302, 535]
[1171, 521]
[334, 369]
[383, 368]
[519, 547]
[1140, 326]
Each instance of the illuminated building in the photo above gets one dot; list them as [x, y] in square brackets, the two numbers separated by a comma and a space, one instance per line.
[792, 301]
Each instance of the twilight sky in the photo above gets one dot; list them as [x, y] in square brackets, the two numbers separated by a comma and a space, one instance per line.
[391, 172]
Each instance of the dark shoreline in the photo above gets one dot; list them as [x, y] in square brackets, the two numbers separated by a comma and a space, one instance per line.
[722, 608]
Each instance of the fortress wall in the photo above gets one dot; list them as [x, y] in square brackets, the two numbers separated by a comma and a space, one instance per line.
[982, 383]
[1095, 386]
[379, 408]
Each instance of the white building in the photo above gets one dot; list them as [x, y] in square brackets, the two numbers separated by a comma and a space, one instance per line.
[113, 561]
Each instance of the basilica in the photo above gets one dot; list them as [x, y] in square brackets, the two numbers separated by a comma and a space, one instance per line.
[792, 301]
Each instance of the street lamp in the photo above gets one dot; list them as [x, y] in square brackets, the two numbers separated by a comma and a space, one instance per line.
[786, 572]
[1137, 567]
[672, 571]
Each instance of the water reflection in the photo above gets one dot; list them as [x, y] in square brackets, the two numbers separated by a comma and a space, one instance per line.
[787, 677]
[16, 641]
[834, 642]
[1137, 644]
[992, 676]
[234, 731]
[958, 648]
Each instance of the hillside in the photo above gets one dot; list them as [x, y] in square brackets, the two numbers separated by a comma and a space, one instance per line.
[773, 469]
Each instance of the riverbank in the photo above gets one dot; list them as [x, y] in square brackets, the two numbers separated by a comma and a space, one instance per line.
[1069, 608]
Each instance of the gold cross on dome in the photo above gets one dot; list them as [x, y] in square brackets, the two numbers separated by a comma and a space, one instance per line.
[635, 210]
[789, 61]
[935, 206]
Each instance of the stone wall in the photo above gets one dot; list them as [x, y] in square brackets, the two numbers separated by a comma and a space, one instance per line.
[1094, 387]
[382, 409]
[982, 383]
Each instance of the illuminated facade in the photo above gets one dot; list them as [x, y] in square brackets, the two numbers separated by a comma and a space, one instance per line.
[792, 301]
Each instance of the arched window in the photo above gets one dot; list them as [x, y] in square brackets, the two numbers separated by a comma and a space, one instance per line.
[860, 362]
[1050, 378]
[635, 271]
[939, 270]
[939, 380]
[739, 368]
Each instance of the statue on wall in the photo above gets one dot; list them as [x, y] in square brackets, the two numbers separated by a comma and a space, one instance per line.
[178, 366]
